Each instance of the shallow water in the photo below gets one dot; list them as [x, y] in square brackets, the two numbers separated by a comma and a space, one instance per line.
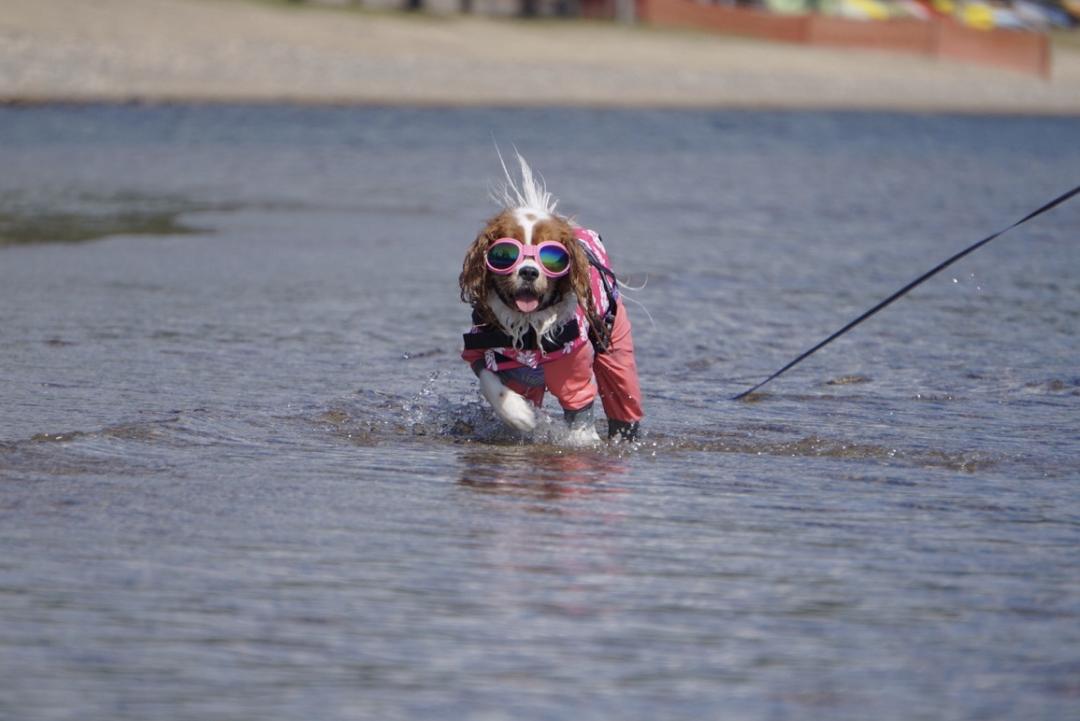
[244, 475]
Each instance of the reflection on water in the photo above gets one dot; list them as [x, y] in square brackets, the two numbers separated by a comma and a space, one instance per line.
[243, 473]
[547, 472]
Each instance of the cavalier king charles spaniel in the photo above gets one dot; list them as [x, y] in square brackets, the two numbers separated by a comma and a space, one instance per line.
[547, 316]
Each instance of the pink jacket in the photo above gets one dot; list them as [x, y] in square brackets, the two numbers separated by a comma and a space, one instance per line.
[483, 342]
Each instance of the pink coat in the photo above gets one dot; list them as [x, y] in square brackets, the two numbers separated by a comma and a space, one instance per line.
[573, 336]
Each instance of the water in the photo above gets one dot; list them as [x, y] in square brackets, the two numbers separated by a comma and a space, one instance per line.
[244, 474]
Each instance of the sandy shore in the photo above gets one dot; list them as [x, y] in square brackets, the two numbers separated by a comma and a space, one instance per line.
[216, 50]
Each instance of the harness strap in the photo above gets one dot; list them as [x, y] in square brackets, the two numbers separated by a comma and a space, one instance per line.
[491, 337]
[611, 289]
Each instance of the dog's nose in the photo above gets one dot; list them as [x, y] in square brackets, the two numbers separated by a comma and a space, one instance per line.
[529, 273]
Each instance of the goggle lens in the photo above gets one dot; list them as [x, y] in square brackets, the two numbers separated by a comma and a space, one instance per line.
[554, 258]
[502, 256]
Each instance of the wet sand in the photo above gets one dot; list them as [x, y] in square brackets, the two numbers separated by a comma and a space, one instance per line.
[247, 51]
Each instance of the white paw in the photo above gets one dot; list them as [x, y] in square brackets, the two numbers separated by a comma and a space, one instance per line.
[511, 407]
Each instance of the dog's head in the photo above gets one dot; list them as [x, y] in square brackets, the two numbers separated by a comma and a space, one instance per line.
[525, 282]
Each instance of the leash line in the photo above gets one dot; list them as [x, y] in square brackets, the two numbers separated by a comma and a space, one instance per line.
[903, 291]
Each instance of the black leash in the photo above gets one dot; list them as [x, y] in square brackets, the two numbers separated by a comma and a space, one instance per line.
[933, 271]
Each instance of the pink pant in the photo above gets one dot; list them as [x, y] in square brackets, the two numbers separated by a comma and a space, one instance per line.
[570, 379]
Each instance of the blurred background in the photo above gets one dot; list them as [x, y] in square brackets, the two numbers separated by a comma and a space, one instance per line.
[1027, 14]
[1020, 56]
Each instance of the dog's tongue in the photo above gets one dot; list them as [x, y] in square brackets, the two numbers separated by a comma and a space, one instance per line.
[526, 302]
[527, 305]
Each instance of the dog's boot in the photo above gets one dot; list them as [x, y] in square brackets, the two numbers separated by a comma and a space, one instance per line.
[625, 430]
[582, 426]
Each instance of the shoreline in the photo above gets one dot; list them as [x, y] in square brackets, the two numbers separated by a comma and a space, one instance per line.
[434, 105]
[245, 52]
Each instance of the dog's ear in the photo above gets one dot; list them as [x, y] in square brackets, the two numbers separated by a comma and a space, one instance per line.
[473, 278]
[579, 267]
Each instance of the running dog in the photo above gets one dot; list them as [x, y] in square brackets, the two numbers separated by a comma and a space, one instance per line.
[547, 315]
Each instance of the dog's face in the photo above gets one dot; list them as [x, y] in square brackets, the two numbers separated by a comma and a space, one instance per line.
[526, 289]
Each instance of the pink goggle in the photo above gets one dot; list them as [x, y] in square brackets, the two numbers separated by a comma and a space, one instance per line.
[506, 254]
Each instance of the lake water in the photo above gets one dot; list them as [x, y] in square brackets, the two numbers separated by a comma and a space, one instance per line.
[243, 473]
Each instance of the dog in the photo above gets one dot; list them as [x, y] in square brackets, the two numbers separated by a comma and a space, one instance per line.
[547, 315]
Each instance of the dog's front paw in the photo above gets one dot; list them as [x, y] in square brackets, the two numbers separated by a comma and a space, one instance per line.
[515, 411]
[509, 406]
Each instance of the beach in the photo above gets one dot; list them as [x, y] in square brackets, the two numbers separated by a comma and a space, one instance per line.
[248, 51]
